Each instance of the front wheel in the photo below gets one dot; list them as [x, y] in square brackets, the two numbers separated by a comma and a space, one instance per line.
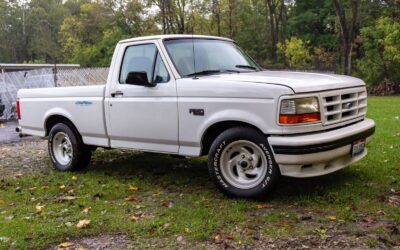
[67, 151]
[241, 163]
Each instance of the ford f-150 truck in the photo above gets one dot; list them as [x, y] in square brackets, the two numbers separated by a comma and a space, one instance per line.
[195, 95]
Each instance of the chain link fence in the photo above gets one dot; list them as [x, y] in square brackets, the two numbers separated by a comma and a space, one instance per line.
[11, 82]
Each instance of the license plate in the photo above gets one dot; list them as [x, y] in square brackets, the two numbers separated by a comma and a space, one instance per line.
[358, 147]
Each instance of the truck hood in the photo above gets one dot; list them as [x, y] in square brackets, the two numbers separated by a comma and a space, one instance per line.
[299, 82]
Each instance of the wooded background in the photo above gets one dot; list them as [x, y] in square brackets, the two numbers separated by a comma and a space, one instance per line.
[354, 37]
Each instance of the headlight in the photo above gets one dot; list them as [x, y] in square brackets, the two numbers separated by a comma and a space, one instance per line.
[300, 110]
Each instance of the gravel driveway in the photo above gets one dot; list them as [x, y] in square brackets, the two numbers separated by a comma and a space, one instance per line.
[20, 156]
[8, 133]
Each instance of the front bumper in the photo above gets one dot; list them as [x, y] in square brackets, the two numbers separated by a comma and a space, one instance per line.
[320, 153]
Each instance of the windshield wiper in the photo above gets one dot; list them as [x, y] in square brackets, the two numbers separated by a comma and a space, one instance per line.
[246, 67]
[212, 71]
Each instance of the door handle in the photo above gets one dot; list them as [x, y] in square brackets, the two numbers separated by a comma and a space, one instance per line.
[117, 93]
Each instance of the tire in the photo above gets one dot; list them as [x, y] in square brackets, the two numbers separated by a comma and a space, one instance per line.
[241, 163]
[66, 149]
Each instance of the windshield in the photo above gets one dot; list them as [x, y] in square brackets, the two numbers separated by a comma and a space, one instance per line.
[211, 56]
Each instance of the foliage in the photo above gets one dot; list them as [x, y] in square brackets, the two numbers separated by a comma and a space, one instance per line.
[296, 53]
[85, 31]
[381, 44]
[324, 59]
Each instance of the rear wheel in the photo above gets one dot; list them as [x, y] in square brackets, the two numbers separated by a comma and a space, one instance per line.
[66, 149]
[241, 163]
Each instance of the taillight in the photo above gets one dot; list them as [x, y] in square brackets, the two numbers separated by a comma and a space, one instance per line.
[18, 110]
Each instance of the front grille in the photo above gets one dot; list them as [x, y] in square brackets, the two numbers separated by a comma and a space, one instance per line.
[342, 105]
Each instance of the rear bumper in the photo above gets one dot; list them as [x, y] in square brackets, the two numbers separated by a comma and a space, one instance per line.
[320, 153]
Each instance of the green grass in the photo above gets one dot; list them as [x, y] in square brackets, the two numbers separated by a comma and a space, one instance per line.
[199, 211]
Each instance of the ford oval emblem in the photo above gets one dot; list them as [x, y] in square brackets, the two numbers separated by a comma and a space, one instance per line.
[348, 105]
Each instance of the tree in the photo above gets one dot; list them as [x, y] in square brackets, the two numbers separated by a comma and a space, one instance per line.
[348, 27]
[216, 11]
[314, 21]
[275, 18]
[381, 46]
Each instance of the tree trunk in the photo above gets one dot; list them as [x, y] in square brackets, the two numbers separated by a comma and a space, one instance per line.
[348, 31]
[230, 19]
[347, 51]
[217, 15]
[274, 28]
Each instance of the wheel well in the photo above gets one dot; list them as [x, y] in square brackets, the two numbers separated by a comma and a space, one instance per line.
[54, 119]
[216, 129]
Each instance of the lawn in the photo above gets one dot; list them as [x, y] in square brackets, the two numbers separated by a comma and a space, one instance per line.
[159, 201]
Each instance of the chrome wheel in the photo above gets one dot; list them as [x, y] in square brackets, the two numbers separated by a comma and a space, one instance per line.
[243, 164]
[62, 148]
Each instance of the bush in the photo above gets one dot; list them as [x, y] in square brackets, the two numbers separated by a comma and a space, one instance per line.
[381, 46]
[295, 52]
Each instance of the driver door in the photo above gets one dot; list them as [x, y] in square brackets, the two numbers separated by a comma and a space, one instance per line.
[142, 117]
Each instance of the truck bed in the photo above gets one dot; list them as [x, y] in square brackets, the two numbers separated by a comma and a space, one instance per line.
[83, 106]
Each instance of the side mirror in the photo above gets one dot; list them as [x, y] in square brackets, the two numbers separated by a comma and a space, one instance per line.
[138, 78]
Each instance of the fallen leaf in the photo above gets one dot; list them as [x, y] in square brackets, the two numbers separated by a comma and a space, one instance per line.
[39, 208]
[86, 210]
[70, 191]
[261, 206]
[188, 230]
[368, 219]
[217, 239]
[394, 200]
[167, 204]
[133, 188]
[74, 178]
[147, 215]
[380, 212]
[134, 218]
[83, 223]
[68, 224]
[2, 125]
[131, 198]
[66, 244]
[62, 186]
[32, 188]
[332, 218]
[1, 202]
[66, 198]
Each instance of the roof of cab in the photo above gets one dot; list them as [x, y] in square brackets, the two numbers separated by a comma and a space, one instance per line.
[161, 37]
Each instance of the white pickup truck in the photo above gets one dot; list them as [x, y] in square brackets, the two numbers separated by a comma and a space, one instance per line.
[202, 95]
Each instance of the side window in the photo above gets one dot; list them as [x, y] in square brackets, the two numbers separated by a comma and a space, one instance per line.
[144, 58]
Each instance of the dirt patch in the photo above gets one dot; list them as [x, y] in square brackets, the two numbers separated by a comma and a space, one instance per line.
[27, 157]
[110, 242]
[326, 240]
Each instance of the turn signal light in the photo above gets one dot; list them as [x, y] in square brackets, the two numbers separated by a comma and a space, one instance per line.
[302, 118]
[18, 110]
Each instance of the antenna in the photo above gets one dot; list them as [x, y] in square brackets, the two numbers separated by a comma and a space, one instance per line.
[194, 56]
